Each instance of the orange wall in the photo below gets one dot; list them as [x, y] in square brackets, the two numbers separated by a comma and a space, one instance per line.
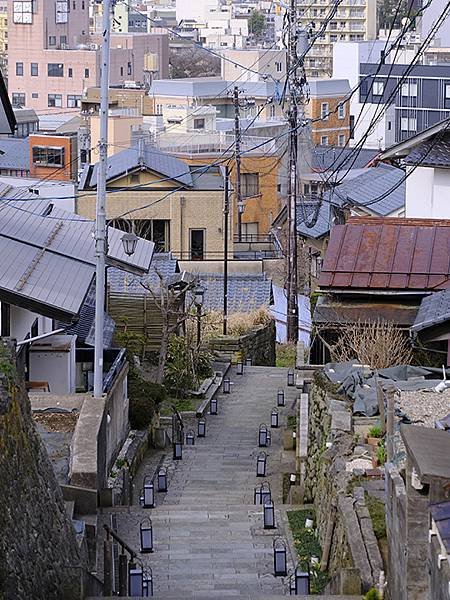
[332, 127]
[69, 170]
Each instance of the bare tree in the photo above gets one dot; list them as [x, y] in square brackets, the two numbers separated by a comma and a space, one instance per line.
[193, 62]
[377, 343]
[174, 312]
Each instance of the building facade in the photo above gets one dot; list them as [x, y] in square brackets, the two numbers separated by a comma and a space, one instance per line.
[64, 59]
[329, 111]
[352, 21]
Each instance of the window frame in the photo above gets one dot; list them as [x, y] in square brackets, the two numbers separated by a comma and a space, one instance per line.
[250, 188]
[34, 66]
[55, 69]
[55, 97]
[19, 69]
[324, 113]
[47, 156]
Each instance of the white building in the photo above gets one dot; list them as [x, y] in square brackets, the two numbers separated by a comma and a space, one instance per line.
[263, 64]
[353, 21]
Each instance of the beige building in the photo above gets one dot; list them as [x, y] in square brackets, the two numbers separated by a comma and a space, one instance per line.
[4, 38]
[353, 21]
[177, 206]
[260, 61]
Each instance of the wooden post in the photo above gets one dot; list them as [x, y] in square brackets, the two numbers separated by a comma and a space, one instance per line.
[328, 538]
[123, 574]
[107, 567]
[380, 400]
[390, 426]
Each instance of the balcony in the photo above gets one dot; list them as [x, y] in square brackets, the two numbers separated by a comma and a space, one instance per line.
[195, 143]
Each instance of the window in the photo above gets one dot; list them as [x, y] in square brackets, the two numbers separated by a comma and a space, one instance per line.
[35, 95]
[197, 239]
[341, 140]
[341, 111]
[324, 110]
[19, 68]
[62, 11]
[272, 110]
[278, 66]
[70, 72]
[54, 101]
[52, 40]
[408, 124]
[121, 71]
[55, 70]
[86, 73]
[48, 156]
[18, 99]
[378, 88]
[73, 101]
[447, 91]
[23, 11]
[63, 40]
[134, 178]
[82, 5]
[333, 37]
[324, 140]
[159, 110]
[249, 185]
[74, 5]
[199, 123]
[34, 69]
[129, 68]
[409, 90]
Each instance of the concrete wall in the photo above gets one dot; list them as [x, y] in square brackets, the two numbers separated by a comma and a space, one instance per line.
[427, 193]
[53, 360]
[39, 555]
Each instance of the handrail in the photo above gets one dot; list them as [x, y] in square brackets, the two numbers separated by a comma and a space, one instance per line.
[119, 540]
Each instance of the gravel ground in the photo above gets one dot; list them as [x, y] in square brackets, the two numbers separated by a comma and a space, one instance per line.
[424, 407]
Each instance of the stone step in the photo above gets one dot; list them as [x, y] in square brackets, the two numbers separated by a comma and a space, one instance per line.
[220, 595]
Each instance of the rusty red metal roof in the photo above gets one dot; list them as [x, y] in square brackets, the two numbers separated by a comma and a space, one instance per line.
[370, 253]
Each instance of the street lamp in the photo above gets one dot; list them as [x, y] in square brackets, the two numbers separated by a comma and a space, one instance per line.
[279, 558]
[177, 451]
[240, 368]
[262, 493]
[274, 418]
[190, 438]
[261, 464]
[299, 584]
[146, 535]
[213, 406]
[147, 583]
[280, 398]
[201, 428]
[148, 493]
[199, 293]
[162, 479]
[262, 436]
[135, 580]
[290, 378]
[269, 515]
[226, 385]
[129, 241]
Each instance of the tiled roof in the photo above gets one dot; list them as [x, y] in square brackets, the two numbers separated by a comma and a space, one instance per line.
[306, 214]
[325, 158]
[441, 516]
[246, 292]
[15, 154]
[388, 253]
[127, 160]
[434, 309]
[371, 184]
[432, 152]
[120, 281]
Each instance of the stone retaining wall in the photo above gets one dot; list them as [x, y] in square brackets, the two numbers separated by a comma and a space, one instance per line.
[259, 345]
[339, 509]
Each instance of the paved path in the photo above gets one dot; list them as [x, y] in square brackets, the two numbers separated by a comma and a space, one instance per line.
[209, 536]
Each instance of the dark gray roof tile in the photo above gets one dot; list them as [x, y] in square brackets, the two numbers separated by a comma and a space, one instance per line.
[434, 309]
[433, 152]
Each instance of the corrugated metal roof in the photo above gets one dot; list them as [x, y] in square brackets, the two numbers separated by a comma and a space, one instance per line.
[132, 158]
[434, 309]
[25, 221]
[410, 255]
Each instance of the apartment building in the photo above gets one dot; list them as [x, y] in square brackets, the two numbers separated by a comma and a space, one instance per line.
[4, 38]
[352, 21]
[64, 58]
[329, 111]
[257, 64]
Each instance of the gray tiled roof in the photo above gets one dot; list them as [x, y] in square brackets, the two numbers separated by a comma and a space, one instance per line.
[434, 309]
[434, 152]
[246, 292]
[321, 225]
[325, 158]
[149, 157]
[371, 184]
[15, 154]
[120, 281]
[84, 328]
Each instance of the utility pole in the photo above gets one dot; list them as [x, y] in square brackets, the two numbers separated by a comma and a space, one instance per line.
[100, 220]
[297, 47]
[237, 156]
[226, 212]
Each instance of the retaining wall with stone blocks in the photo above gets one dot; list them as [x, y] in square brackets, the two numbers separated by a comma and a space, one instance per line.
[259, 345]
[39, 554]
[353, 544]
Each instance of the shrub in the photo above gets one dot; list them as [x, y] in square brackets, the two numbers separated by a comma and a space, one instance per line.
[179, 375]
[145, 398]
[375, 431]
[372, 594]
